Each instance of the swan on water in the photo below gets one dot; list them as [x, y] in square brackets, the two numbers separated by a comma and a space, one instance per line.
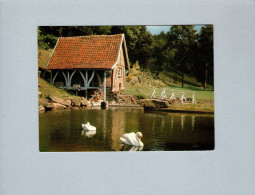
[88, 127]
[132, 139]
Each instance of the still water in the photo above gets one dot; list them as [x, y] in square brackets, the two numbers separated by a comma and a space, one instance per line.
[61, 130]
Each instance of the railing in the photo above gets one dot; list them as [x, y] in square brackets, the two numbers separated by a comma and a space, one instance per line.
[172, 94]
[95, 96]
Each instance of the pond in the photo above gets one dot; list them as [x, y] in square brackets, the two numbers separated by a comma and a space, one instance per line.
[61, 130]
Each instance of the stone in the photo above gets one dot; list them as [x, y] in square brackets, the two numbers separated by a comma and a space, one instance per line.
[68, 103]
[74, 108]
[84, 102]
[153, 103]
[75, 103]
[58, 106]
[41, 108]
[43, 102]
[39, 94]
[49, 106]
[56, 99]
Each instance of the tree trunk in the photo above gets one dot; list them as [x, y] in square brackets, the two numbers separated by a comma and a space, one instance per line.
[182, 78]
[206, 65]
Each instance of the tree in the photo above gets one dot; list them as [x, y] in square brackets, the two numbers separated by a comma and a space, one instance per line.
[139, 43]
[158, 59]
[181, 40]
[205, 48]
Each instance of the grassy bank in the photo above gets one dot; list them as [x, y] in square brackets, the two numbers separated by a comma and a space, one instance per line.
[141, 84]
[47, 89]
[167, 81]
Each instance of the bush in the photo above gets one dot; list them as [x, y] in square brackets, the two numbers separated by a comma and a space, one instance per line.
[140, 96]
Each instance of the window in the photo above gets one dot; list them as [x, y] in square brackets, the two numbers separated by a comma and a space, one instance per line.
[119, 72]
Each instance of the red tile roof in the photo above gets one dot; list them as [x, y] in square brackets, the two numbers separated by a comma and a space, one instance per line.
[86, 52]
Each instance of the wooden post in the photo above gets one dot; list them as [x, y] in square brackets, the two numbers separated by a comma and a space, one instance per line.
[92, 76]
[84, 79]
[86, 85]
[54, 78]
[68, 79]
[104, 85]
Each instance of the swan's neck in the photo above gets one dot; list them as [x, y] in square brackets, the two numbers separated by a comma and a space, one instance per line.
[139, 142]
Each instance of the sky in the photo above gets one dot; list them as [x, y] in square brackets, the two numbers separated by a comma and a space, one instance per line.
[157, 29]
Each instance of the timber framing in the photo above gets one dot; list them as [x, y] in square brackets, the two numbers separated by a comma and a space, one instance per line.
[89, 62]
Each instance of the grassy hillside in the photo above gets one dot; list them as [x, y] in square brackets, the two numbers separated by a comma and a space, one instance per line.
[43, 57]
[138, 83]
[47, 89]
[146, 83]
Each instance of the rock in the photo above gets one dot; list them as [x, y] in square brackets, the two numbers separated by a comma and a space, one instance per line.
[75, 103]
[175, 101]
[39, 94]
[49, 106]
[68, 103]
[41, 108]
[153, 103]
[56, 99]
[59, 100]
[74, 108]
[58, 106]
[84, 102]
[43, 102]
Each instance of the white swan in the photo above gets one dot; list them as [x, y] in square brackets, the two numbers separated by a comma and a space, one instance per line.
[132, 139]
[88, 127]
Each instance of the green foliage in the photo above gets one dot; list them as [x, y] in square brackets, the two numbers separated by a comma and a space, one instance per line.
[204, 71]
[181, 50]
[46, 41]
[134, 73]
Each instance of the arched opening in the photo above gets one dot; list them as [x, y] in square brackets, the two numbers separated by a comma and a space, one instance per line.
[59, 80]
[77, 79]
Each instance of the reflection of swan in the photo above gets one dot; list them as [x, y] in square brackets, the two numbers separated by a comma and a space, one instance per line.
[88, 133]
[135, 148]
[88, 127]
[132, 148]
[132, 139]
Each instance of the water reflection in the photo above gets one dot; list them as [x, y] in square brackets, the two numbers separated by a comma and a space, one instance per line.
[193, 122]
[182, 121]
[88, 133]
[131, 148]
[62, 131]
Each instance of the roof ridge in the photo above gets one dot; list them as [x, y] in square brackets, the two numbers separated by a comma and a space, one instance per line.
[93, 36]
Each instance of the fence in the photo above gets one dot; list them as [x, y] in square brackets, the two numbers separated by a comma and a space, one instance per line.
[172, 94]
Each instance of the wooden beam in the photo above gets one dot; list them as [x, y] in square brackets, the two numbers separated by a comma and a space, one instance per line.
[68, 78]
[84, 80]
[53, 80]
[104, 85]
[70, 81]
[99, 79]
[65, 78]
[92, 76]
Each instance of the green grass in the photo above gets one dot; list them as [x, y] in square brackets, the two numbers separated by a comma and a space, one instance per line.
[43, 57]
[47, 89]
[166, 81]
